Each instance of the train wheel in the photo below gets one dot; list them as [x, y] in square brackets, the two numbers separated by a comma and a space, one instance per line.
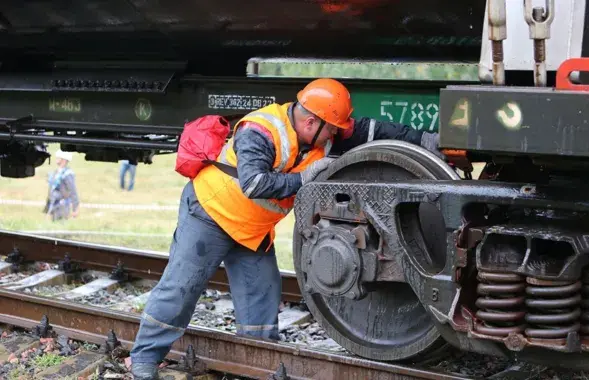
[389, 323]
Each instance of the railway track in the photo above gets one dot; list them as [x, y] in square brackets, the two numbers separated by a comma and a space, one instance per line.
[218, 351]
[120, 261]
[223, 352]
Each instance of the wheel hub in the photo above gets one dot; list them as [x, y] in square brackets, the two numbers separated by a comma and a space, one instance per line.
[332, 262]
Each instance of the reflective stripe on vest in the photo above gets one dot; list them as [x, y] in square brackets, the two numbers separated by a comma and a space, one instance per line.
[271, 206]
[267, 204]
[284, 143]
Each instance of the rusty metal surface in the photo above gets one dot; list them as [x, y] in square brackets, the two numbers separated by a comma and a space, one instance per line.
[501, 303]
[497, 33]
[218, 350]
[142, 264]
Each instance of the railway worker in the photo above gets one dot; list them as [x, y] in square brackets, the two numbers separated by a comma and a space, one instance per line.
[62, 195]
[276, 150]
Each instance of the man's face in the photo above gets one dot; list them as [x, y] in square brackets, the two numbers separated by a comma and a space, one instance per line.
[61, 162]
[311, 127]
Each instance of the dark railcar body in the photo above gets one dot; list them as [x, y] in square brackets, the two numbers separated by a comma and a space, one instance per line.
[215, 36]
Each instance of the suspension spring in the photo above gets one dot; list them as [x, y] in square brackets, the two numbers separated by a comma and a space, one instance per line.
[553, 308]
[585, 304]
[500, 303]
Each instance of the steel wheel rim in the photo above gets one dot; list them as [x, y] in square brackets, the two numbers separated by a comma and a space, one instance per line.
[411, 337]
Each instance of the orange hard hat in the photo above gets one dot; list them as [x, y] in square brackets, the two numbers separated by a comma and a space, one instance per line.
[329, 100]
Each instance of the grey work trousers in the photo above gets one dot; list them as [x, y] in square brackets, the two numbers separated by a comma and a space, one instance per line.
[198, 247]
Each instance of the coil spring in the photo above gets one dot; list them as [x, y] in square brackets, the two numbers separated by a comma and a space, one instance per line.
[500, 303]
[553, 308]
[585, 304]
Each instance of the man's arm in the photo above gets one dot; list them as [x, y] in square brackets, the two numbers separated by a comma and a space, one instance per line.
[256, 153]
[366, 129]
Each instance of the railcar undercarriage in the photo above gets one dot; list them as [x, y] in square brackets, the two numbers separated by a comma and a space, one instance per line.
[397, 254]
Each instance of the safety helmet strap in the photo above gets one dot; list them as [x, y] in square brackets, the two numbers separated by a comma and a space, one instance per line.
[321, 125]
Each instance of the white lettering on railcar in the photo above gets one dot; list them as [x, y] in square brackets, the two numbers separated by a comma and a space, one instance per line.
[239, 102]
[420, 115]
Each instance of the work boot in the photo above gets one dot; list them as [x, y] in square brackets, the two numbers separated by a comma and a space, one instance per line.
[144, 371]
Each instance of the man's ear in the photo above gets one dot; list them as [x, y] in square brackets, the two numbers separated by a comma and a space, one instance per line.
[309, 122]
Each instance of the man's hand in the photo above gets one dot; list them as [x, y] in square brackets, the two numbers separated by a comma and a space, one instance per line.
[315, 168]
[431, 142]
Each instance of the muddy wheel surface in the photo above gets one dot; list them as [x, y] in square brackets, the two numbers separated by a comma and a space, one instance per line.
[389, 323]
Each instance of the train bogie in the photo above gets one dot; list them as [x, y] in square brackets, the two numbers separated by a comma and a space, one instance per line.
[509, 279]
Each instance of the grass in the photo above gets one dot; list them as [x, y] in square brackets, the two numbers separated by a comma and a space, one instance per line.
[18, 373]
[48, 360]
[98, 182]
[39, 363]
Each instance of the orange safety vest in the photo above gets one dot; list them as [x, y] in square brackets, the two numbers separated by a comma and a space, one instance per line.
[246, 220]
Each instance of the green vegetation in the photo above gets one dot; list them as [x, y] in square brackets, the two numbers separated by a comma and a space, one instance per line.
[48, 360]
[18, 373]
[98, 183]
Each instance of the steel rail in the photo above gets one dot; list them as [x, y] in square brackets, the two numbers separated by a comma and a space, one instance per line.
[220, 351]
[137, 263]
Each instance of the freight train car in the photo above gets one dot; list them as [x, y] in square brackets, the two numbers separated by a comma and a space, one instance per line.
[397, 254]
[118, 80]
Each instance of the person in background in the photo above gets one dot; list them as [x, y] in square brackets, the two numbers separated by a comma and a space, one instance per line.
[63, 195]
[131, 167]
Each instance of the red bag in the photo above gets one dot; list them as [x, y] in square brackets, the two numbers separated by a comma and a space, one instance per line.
[200, 144]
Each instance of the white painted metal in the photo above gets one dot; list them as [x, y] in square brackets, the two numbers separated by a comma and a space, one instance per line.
[566, 37]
